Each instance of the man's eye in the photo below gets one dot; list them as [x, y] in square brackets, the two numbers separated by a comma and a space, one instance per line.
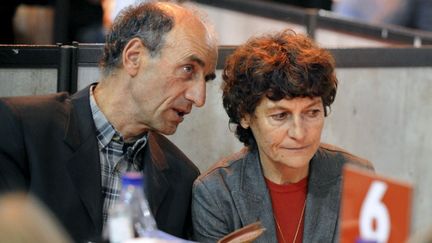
[279, 116]
[188, 69]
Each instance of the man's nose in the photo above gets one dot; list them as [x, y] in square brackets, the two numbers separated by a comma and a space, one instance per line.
[197, 93]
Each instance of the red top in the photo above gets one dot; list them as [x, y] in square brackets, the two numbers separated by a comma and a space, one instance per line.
[288, 202]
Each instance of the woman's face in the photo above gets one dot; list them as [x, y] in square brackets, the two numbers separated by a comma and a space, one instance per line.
[288, 131]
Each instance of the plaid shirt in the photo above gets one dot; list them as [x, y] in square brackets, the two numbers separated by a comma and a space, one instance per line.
[116, 156]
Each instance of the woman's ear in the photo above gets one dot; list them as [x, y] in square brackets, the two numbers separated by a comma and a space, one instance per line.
[245, 122]
[132, 54]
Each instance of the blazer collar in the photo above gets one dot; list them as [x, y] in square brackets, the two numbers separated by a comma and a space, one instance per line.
[323, 198]
[253, 198]
[80, 125]
[155, 165]
[83, 164]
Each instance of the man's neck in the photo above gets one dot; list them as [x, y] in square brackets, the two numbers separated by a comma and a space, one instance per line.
[112, 99]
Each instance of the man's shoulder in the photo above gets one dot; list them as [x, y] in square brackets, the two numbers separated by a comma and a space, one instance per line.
[35, 108]
[48, 101]
[174, 156]
[343, 156]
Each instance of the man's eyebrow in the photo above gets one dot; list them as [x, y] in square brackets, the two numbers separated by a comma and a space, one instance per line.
[200, 62]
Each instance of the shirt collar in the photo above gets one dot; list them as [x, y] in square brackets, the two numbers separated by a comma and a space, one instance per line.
[105, 132]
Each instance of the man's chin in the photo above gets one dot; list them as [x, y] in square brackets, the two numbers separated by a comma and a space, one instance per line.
[168, 130]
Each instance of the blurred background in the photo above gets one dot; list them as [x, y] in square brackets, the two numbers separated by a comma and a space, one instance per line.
[65, 21]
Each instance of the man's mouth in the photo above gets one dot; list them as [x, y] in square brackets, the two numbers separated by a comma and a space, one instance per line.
[181, 113]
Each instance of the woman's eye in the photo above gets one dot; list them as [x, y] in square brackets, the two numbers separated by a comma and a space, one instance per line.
[313, 113]
[279, 116]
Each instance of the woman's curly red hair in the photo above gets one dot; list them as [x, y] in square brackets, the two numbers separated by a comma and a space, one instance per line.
[280, 65]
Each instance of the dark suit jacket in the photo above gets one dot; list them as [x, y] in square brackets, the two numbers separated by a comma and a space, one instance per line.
[48, 147]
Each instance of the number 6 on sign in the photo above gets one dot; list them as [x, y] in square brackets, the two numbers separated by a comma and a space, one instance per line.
[374, 208]
[374, 216]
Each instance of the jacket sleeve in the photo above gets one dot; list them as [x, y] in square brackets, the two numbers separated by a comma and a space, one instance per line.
[13, 162]
[208, 219]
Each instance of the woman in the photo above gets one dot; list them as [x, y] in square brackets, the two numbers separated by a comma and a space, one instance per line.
[277, 90]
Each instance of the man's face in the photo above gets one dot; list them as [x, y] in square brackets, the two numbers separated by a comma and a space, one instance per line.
[287, 132]
[168, 84]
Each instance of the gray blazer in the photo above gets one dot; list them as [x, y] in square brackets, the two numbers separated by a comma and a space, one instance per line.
[233, 194]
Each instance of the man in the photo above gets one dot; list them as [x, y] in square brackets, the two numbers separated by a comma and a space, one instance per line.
[70, 151]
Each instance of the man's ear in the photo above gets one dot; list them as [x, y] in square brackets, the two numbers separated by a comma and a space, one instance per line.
[245, 121]
[132, 54]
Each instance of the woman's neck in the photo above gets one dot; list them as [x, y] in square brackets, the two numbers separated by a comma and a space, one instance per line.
[282, 174]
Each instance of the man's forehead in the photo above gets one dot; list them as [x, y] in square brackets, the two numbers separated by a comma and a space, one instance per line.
[169, 7]
[191, 35]
[189, 20]
[178, 12]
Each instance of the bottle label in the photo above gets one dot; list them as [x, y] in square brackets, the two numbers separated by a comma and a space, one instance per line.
[120, 229]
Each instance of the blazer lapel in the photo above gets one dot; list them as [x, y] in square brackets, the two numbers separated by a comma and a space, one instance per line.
[252, 198]
[323, 200]
[155, 163]
[83, 164]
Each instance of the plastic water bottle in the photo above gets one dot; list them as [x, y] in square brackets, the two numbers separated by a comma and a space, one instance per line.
[131, 217]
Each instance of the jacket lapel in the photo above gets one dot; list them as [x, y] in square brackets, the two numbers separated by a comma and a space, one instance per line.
[323, 199]
[252, 197]
[83, 164]
[155, 163]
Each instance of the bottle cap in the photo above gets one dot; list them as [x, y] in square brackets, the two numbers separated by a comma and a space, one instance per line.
[132, 178]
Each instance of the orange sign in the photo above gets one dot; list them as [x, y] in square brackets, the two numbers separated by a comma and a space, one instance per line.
[374, 208]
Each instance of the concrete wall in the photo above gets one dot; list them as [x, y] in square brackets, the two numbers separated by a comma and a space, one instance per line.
[18, 82]
[385, 115]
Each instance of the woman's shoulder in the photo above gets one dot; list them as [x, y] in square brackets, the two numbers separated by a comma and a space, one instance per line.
[339, 154]
[229, 165]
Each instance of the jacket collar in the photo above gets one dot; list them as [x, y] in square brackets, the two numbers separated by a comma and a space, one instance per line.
[83, 164]
[253, 198]
[155, 165]
[323, 198]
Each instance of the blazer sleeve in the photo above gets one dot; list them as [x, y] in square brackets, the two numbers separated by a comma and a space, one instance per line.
[13, 162]
[207, 217]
